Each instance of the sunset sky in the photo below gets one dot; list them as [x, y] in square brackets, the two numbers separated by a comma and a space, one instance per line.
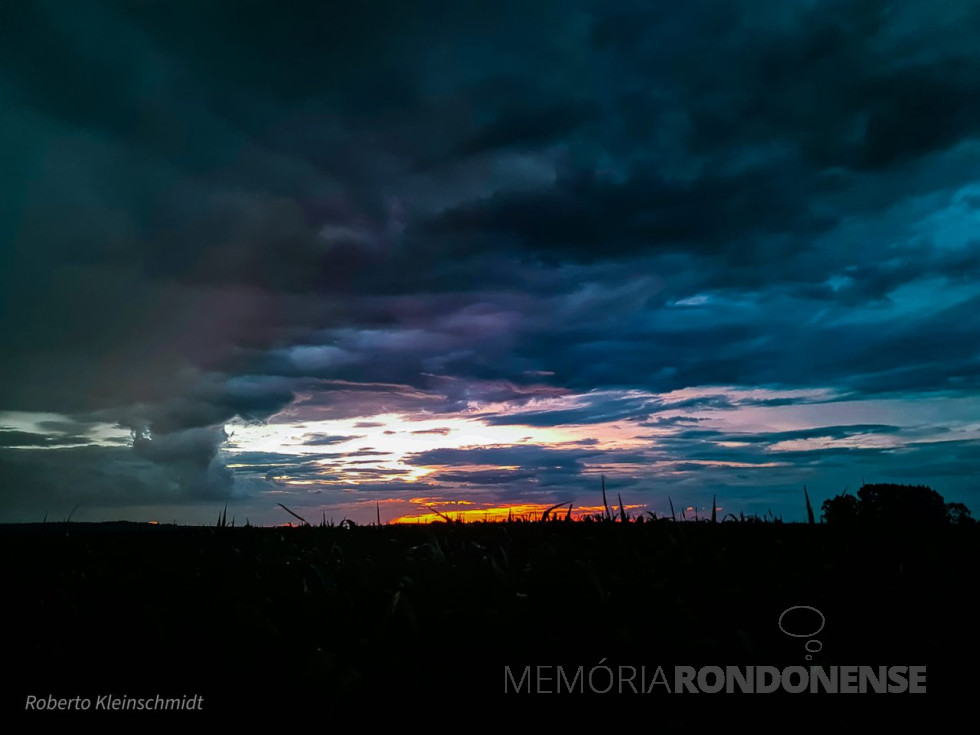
[401, 257]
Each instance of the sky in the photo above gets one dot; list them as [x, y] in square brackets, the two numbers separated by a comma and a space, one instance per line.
[387, 259]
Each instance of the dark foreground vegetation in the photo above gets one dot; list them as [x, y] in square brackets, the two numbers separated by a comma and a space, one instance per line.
[277, 620]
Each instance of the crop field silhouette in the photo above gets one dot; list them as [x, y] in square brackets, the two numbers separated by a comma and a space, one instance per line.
[335, 615]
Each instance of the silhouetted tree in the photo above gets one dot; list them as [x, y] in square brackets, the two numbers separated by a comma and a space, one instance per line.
[895, 505]
[959, 513]
[915, 505]
[839, 510]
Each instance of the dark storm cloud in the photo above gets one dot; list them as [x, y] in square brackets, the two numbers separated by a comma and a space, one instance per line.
[666, 421]
[326, 439]
[91, 477]
[853, 85]
[764, 106]
[196, 446]
[525, 457]
[823, 432]
[469, 386]
[214, 400]
[273, 464]
[67, 426]
[527, 128]
[30, 439]
[643, 214]
[192, 456]
[602, 407]
[758, 340]
[941, 460]
[269, 185]
[345, 404]
[180, 433]
[592, 409]
[709, 452]
[697, 454]
[484, 477]
[874, 281]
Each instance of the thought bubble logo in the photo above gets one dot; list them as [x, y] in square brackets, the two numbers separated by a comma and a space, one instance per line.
[803, 618]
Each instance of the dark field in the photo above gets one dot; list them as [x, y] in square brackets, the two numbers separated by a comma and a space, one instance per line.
[371, 620]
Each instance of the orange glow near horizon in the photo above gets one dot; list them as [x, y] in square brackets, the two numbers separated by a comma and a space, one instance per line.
[522, 511]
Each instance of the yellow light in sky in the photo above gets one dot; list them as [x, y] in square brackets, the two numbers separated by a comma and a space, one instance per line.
[380, 443]
[392, 433]
[374, 449]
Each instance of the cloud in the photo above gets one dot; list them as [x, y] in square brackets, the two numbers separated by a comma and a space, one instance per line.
[315, 440]
[93, 478]
[30, 439]
[192, 456]
[526, 457]
[485, 477]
